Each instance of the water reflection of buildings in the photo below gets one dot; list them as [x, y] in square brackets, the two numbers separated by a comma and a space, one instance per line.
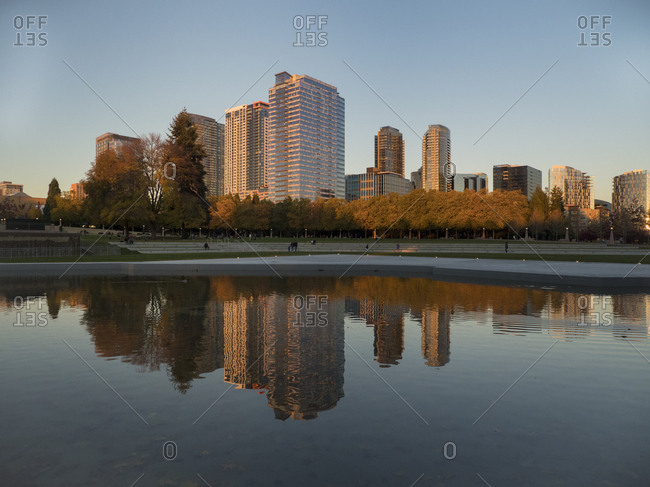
[435, 336]
[269, 345]
[247, 325]
[388, 323]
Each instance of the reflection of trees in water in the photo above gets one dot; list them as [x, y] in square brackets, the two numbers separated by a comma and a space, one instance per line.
[201, 324]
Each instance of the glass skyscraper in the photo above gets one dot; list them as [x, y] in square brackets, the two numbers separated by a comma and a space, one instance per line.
[306, 139]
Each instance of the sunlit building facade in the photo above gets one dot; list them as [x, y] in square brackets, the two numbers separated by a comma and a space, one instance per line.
[211, 136]
[110, 141]
[631, 189]
[575, 185]
[374, 183]
[306, 139]
[436, 158]
[389, 151]
[7, 188]
[245, 148]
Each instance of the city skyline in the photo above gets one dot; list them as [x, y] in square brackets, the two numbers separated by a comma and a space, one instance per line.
[501, 53]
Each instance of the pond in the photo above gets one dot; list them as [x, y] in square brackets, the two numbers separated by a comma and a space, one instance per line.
[360, 381]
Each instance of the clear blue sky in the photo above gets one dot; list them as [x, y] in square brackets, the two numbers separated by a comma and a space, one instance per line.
[461, 64]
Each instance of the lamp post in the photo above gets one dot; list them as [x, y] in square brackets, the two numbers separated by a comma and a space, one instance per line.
[526, 238]
[566, 234]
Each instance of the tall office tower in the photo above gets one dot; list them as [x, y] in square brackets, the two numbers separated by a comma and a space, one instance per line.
[517, 178]
[575, 185]
[306, 132]
[436, 157]
[389, 151]
[630, 189]
[245, 151]
[211, 136]
[110, 141]
[475, 181]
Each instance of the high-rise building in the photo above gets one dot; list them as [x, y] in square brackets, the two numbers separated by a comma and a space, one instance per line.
[631, 189]
[526, 179]
[306, 139]
[110, 141]
[474, 182]
[245, 150]
[211, 136]
[575, 185]
[436, 159]
[389, 151]
[374, 183]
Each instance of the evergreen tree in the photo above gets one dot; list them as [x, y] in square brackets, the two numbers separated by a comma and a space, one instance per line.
[50, 203]
[557, 199]
[190, 175]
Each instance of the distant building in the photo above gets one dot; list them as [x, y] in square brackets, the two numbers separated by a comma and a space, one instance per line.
[575, 185]
[374, 183]
[389, 151]
[475, 182]
[306, 132]
[579, 218]
[245, 148]
[603, 204]
[416, 179]
[436, 158]
[507, 177]
[7, 188]
[630, 189]
[110, 141]
[77, 191]
[211, 136]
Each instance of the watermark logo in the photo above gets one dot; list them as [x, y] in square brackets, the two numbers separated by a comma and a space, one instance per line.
[169, 170]
[310, 310]
[449, 171]
[449, 450]
[170, 450]
[29, 311]
[595, 310]
[593, 30]
[309, 30]
[29, 30]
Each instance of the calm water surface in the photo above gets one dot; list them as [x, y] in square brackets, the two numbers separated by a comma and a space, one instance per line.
[362, 381]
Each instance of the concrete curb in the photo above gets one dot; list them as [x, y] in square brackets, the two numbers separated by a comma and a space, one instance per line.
[486, 271]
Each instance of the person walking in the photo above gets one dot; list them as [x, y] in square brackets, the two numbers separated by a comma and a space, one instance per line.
[506, 247]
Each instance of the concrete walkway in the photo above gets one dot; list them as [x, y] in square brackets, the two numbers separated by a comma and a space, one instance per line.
[407, 247]
[488, 271]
